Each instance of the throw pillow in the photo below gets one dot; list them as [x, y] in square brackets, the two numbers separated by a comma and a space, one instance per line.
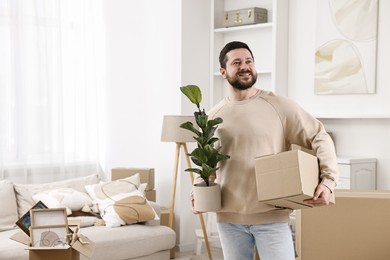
[8, 212]
[85, 221]
[24, 192]
[121, 202]
[63, 198]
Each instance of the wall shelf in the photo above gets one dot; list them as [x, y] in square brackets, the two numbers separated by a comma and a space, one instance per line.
[243, 28]
[268, 42]
[358, 116]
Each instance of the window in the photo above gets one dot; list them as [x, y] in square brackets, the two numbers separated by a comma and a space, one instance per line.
[51, 76]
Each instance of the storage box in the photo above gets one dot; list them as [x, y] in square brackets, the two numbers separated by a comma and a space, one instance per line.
[164, 217]
[245, 16]
[357, 228]
[164, 221]
[146, 175]
[57, 254]
[287, 179]
[43, 253]
[150, 195]
[86, 248]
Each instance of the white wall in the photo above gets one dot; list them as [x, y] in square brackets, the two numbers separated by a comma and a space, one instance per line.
[195, 70]
[153, 48]
[144, 66]
[363, 127]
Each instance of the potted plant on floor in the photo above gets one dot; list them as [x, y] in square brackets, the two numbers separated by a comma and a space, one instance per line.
[207, 194]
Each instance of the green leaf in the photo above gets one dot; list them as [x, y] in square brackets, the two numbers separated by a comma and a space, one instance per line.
[189, 126]
[212, 140]
[196, 170]
[199, 154]
[193, 93]
[215, 121]
[201, 120]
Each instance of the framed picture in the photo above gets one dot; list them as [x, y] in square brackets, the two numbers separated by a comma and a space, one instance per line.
[24, 222]
[48, 217]
[346, 47]
[49, 228]
[49, 236]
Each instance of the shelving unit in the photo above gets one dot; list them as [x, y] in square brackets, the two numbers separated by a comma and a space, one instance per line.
[358, 116]
[268, 42]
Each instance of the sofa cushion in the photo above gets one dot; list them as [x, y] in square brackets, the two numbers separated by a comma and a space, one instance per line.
[10, 249]
[8, 212]
[127, 242]
[24, 192]
[63, 198]
[122, 201]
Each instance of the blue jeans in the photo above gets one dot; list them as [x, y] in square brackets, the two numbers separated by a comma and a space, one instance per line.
[273, 241]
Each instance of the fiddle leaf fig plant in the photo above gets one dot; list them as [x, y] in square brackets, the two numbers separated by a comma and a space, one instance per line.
[206, 156]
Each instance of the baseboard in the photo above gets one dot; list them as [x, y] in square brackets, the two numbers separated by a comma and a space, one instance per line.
[186, 247]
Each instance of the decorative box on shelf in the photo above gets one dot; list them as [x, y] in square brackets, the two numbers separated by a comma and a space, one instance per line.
[357, 173]
[245, 16]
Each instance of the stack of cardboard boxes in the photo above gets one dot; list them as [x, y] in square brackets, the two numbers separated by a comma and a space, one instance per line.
[146, 176]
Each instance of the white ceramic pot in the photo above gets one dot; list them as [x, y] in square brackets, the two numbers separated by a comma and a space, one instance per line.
[207, 198]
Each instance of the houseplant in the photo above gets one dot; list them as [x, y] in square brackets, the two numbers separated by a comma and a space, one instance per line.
[205, 155]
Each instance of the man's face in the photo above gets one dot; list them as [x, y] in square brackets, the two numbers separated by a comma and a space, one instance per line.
[240, 69]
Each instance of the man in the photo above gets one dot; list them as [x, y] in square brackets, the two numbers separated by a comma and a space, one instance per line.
[257, 123]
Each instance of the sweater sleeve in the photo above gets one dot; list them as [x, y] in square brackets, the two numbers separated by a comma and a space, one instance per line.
[303, 129]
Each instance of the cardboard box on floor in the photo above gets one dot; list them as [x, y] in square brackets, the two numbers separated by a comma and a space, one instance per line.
[150, 195]
[146, 175]
[86, 248]
[164, 221]
[356, 227]
[288, 178]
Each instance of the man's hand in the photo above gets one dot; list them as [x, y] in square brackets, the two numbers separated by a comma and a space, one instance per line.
[321, 196]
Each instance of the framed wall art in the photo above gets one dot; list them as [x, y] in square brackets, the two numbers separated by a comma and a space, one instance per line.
[346, 47]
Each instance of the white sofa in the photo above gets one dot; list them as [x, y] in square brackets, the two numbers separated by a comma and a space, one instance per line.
[146, 240]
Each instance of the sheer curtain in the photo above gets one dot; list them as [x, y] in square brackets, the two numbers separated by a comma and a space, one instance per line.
[51, 76]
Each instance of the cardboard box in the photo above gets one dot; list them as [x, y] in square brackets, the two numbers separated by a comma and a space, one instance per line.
[57, 254]
[150, 195]
[356, 227]
[146, 175]
[164, 221]
[43, 253]
[287, 179]
[298, 147]
[164, 217]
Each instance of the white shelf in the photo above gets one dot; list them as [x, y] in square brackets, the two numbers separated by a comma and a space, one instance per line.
[268, 42]
[358, 116]
[243, 28]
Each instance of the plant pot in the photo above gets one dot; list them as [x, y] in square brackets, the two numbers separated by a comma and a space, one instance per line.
[207, 198]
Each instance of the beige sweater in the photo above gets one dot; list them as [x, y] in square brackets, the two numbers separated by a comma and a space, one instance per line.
[264, 124]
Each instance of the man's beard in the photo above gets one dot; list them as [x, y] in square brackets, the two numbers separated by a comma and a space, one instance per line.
[235, 82]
